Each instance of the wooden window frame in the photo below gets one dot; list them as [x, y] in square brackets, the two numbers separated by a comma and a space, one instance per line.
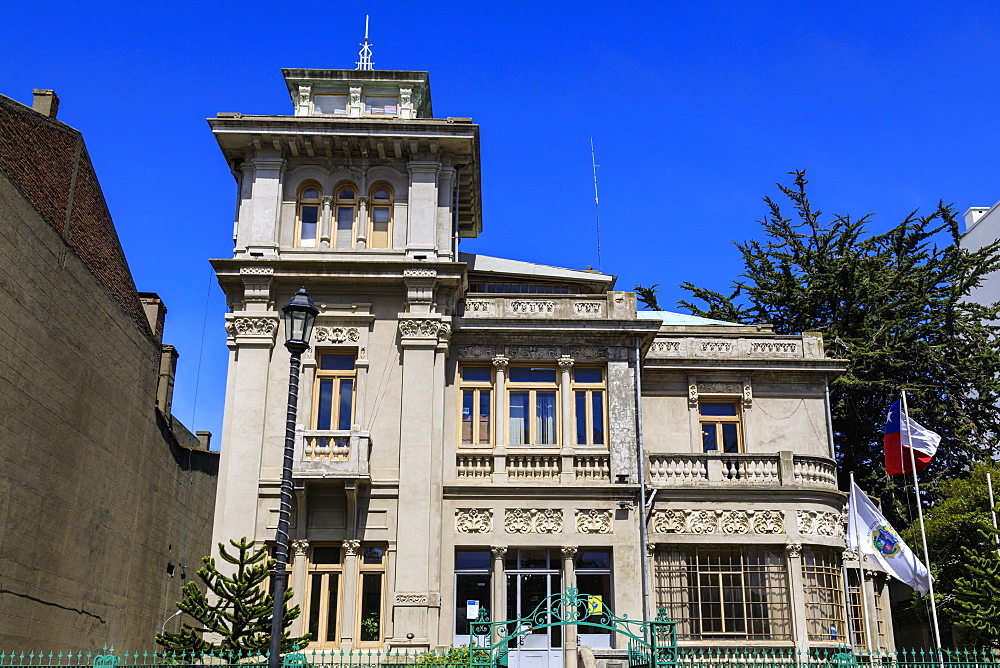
[718, 421]
[337, 375]
[324, 570]
[589, 389]
[822, 581]
[476, 387]
[370, 569]
[340, 203]
[300, 203]
[371, 213]
[532, 388]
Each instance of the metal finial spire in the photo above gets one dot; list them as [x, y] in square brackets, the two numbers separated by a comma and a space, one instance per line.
[365, 55]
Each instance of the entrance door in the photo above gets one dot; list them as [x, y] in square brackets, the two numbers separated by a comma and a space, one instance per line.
[533, 579]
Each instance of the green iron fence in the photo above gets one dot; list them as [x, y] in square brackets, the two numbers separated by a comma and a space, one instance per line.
[686, 658]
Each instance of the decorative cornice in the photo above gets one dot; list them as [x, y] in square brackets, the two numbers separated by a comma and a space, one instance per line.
[252, 326]
[256, 270]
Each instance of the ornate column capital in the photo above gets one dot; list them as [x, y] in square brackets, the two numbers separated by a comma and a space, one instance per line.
[499, 551]
[500, 362]
[794, 549]
[568, 551]
[565, 362]
[246, 329]
[850, 555]
[351, 547]
[300, 547]
[650, 549]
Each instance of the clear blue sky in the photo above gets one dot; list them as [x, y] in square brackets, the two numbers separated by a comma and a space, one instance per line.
[695, 108]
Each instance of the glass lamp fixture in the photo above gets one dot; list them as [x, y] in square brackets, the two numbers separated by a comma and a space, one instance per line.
[300, 315]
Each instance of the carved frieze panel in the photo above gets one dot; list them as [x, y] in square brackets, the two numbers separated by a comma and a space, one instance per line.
[480, 307]
[425, 328]
[720, 388]
[420, 273]
[256, 270]
[403, 598]
[819, 523]
[477, 352]
[589, 309]
[533, 520]
[252, 326]
[773, 347]
[533, 306]
[588, 353]
[593, 521]
[532, 352]
[336, 335]
[715, 346]
[664, 348]
[474, 520]
[730, 522]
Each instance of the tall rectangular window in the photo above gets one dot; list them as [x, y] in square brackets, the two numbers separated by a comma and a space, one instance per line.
[476, 382]
[724, 593]
[322, 602]
[371, 591]
[532, 400]
[824, 594]
[472, 583]
[334, 393]
[593, 579]
[588, 405]
[720, 426]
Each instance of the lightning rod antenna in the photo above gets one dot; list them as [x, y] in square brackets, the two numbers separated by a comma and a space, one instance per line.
[365, 55]
[597, 203]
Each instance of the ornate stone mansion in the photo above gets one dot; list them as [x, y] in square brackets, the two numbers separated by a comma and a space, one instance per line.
[478, 432]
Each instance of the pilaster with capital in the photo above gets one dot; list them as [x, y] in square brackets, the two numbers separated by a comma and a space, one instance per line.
[500, 364]
[498, 590]
[326, 224]
[570, 659]
[300, 549]
[350, 575]
[565, 363]
[796, 587]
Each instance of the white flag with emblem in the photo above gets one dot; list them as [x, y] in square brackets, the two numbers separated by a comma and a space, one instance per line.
[870, 534]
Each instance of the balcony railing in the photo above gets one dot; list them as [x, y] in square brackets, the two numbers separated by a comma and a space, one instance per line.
[556, 466]
[331, 454]
[782, 468]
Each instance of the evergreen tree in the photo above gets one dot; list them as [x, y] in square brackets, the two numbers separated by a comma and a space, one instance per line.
[976, 599]
[893, 305]
[234, 608]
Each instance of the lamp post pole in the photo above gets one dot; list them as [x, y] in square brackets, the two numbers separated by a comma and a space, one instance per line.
[299, 315]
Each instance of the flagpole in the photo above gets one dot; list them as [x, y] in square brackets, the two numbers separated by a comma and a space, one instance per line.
[847, 591]
[861, 575]
[920, 515]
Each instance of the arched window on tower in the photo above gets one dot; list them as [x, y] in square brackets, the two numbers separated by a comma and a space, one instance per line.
[380, 227]
[345, 202]
[307, 218]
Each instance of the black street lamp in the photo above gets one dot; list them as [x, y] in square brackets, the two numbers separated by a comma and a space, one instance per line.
[299, 315]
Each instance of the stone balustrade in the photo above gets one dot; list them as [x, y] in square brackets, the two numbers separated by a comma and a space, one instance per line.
[560, 307]
[781, 468]
[331, 454]
[549, 466]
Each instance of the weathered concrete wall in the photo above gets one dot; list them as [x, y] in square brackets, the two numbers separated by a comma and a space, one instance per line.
[97, 500]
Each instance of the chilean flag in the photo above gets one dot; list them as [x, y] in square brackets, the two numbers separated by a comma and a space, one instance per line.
[897, 448]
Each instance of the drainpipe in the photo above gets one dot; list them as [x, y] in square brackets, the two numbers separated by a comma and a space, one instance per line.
[641, 456]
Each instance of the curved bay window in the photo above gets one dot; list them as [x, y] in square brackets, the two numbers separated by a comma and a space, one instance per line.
[323, 598]
[725, 593]
[380, 224]
[824, 594]
[334, 393]
[307, 216]
[532, 400]
[345, 202]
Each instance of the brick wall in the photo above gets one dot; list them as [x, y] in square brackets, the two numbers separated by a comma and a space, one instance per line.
[38, 155]
[97, 498]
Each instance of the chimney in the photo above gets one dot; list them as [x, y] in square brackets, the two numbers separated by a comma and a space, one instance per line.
[156, 313]
[973, 215]
[46, 102]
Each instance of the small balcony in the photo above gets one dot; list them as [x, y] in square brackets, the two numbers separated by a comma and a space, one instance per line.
[778, 469]
[557, 466]
[331, 454]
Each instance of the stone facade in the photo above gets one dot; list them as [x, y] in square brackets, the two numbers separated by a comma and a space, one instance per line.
[104, 496]
[470, 428]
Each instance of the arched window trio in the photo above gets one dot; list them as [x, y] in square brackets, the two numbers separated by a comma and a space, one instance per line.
[353, 218]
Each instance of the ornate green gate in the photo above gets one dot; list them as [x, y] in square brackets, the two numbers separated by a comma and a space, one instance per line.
[650, 644]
